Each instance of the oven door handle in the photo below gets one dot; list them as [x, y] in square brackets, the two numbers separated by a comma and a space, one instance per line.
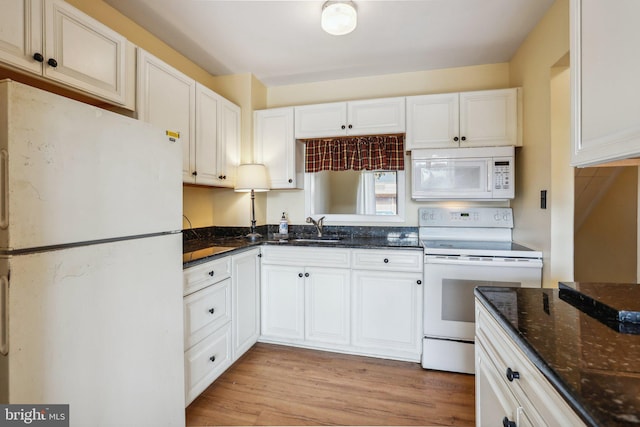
[484, 261]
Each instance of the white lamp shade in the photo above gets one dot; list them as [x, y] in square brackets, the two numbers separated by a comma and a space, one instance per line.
[339, 18]
[252, 176]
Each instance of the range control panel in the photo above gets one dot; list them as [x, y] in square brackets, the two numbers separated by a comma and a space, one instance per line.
[466, 217]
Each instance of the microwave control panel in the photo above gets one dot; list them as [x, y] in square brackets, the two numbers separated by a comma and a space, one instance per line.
[503, 181]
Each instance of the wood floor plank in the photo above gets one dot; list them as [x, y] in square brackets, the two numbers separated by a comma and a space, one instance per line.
[280, 385]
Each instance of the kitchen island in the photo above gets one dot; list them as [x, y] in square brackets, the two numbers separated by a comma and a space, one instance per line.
[592, 369]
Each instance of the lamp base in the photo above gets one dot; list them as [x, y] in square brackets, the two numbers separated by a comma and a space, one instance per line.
[253, 236]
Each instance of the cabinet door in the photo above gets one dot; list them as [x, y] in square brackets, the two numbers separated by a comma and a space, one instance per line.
[432, 121]
[21, 34]
[494, 401]
[282, 297]
[228, 143]
[327, 309]
[376, 116]
[605, 87]
[321, 120]
[166, 99]
[275, 146]
[387, 315]
[206, 136]
[488, 118]
[246, 301]
[89, 55]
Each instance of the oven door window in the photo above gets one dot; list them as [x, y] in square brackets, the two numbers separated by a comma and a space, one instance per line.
[448, 294]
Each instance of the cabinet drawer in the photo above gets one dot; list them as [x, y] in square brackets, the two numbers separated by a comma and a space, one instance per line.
[394, 260]
[205, 361]
[537, 396]
[201, 276]
[306, 256]
[205, 311]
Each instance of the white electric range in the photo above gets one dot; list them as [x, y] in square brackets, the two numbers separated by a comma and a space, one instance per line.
[465, 248]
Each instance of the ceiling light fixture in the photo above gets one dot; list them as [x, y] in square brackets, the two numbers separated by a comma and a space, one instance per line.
[339, 17]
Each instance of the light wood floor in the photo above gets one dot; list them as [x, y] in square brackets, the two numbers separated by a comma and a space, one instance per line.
[279, 385]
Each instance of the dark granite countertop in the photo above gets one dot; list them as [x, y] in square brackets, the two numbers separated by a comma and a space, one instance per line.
[197, 250]
[592, 365]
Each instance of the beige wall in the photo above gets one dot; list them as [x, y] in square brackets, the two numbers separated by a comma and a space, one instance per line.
[491, 76]
[531, 69]
[605, 244]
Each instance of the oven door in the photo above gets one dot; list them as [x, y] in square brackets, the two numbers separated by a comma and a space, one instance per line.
[449, 284]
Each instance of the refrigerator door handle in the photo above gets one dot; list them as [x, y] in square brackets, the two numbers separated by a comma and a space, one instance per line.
[4, 189]
[4, 315]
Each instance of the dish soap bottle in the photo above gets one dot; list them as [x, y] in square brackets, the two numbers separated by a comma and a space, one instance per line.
[283, 230]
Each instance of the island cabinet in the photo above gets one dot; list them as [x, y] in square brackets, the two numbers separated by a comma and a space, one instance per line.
[221, 309]
[57, 42]
[353, 301]
[466, 119]
[206, 124]
[605, 86]
[275, 146]
[365, 117]
[510, 390]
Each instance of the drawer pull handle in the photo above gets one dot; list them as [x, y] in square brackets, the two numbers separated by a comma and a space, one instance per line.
[211, 273]
[512, 375]
[506, 422]
[211, 310]
[386, 260]
[212, 358]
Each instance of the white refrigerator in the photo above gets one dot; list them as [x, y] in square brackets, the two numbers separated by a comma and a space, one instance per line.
[90, 262]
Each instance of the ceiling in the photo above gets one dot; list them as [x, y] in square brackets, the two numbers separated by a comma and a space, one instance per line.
[281, 42]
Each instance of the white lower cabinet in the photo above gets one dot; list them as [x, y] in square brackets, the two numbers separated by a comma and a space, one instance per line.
[305, 304]
[245, 275]
[221, 317]
[387, 315]
[509, 388]
[313, 297]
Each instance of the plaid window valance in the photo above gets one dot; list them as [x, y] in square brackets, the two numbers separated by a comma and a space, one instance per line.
[378, 152]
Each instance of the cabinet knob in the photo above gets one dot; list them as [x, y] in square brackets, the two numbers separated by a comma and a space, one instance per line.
[224, 176]
[512, 375]
[52, 62]
[419, 282]
[211, 310]
[350, 126]
[211, 273]
[213, 359]
[220, 177]
[290, 180]
[299, 274]
[455, 138]
[343, 127]
[194, 173]
[464, 138]
[306, 274]
[38, 57]
[386, 260]
[259, 255]
[506, 422]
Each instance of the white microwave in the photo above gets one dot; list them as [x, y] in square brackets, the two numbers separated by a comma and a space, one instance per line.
[482, 173]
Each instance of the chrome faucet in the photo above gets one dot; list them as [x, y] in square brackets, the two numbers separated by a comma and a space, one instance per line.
[317, 223]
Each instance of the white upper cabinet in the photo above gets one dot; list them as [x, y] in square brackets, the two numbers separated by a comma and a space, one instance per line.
[366, 117]
[55, 40]
[206, 124]
[275, 146]
[467, 119]
[166, 99]
[605, 86]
